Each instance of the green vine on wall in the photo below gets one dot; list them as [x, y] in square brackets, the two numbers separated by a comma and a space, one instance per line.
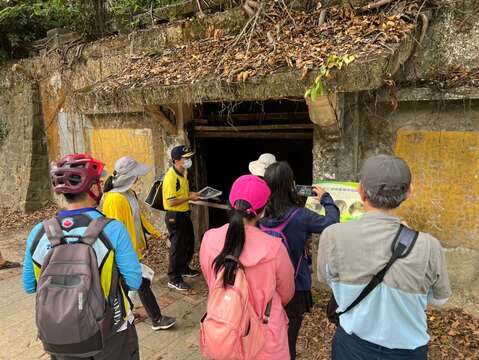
[333, 62]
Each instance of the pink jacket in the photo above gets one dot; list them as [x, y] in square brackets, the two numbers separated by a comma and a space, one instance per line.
[270, 275]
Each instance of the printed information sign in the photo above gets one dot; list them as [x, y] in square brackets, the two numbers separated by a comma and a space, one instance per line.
[345, 196]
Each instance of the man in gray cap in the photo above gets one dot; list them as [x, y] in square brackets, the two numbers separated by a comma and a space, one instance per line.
[390, 321]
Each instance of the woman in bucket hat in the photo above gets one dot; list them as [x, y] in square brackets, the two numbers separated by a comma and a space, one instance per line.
[265, 261]
[120, 202]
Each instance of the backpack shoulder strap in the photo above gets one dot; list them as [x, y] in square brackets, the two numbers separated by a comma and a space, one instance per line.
[53, 231]
[267, 312]
[402, 245]
[290, 217]
[285, 223]
[404, 241]
[94, 229]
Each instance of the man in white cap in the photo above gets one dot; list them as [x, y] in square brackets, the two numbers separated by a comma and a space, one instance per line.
[258, 167]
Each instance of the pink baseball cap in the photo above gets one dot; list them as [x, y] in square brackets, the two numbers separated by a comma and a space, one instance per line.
[252, 189]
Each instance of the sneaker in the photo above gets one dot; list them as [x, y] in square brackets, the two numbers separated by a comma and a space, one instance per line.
[181, 286]
[190, 273]
[164, 323]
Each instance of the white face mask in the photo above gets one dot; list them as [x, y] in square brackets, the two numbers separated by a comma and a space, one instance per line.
[187, 163]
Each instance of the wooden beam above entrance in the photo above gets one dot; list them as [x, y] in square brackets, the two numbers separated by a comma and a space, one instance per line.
[255, 135]
[255, 127]
[260, 116]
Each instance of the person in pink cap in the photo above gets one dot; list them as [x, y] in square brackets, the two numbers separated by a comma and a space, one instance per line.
[266, 262]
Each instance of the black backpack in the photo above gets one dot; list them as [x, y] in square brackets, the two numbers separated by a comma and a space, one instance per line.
[155, 196]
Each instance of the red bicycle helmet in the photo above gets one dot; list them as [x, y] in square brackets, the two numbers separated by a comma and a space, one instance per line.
[76, 173]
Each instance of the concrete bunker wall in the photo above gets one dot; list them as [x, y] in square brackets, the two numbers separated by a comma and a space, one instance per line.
[23, 158]
[440, 141]
[108, 137]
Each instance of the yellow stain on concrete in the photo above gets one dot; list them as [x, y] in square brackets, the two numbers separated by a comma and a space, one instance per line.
[109, 145]
[51, 105]
[445, 199]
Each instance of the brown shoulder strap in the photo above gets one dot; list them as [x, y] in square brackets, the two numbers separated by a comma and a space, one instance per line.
[53, 231]
[94, 229]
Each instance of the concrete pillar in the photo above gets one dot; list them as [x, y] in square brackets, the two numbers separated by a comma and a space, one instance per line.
[335, 148]
[336, 141]
[38, 186]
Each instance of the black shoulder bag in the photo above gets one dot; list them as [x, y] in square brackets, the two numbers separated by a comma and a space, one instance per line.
[155, 195]
[401, 247]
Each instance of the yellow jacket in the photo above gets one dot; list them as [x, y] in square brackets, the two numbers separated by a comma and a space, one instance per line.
[116, 206]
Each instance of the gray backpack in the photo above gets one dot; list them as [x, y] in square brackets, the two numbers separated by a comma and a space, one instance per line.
[72, 314]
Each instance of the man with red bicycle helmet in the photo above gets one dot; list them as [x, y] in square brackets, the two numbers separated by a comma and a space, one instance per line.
[74, 175]
[77, 178]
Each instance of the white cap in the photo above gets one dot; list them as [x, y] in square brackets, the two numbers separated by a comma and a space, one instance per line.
[258, 167]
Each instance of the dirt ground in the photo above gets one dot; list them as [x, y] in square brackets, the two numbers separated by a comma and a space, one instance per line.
[454, 333]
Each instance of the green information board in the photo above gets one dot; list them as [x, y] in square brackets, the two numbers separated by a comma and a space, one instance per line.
[345, 196]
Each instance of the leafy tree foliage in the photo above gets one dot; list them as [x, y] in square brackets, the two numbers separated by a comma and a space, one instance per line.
[23, 21]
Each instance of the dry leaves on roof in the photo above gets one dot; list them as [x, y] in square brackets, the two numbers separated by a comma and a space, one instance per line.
[279, 39]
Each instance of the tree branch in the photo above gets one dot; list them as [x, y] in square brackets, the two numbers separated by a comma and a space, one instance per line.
[425, 25]
[322, 17]
[375, 5]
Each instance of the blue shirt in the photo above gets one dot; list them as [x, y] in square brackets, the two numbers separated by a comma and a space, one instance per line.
[125, 256]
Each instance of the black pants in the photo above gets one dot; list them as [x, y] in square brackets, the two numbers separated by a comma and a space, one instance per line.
[347, 347]
[301, 303]
[148, 300]
[182, 238]
[121, 346]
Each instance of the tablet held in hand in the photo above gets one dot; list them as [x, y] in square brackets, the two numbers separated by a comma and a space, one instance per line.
[209, 193]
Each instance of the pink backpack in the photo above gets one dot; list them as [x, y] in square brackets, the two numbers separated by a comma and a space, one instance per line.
[230, 328]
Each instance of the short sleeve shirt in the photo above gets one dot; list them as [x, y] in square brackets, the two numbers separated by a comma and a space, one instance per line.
[175, 186]
[393, 314]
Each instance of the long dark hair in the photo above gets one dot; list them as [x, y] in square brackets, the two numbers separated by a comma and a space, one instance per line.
[280, 179]
[109, 183]
[234, 242]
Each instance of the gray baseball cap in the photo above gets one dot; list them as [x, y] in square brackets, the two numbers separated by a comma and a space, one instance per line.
[386, 175]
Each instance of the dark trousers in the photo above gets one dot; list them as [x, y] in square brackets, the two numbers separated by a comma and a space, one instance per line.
[182, 239]
[301, 303]
[122, 345]
[293, 332]
[148, 300]
[351, 347]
